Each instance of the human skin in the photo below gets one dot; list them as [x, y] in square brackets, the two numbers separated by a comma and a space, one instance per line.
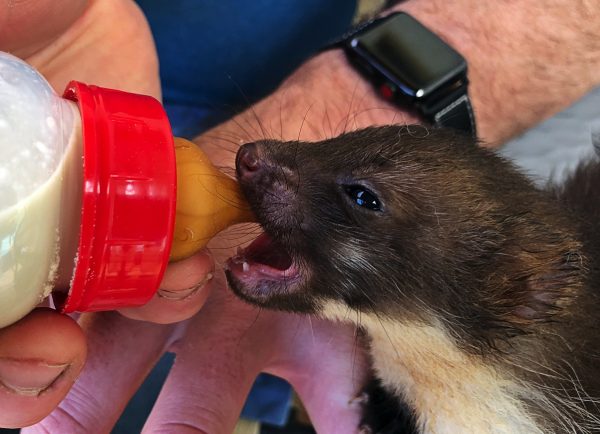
[517, 79]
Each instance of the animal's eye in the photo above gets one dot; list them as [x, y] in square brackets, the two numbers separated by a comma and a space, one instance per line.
[363, 197]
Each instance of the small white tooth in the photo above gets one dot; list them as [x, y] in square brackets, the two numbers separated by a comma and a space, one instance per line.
[245, 267]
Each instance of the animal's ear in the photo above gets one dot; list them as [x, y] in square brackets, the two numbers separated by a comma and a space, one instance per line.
[551, 282]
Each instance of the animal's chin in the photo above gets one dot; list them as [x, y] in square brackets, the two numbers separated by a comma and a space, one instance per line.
[263, 270]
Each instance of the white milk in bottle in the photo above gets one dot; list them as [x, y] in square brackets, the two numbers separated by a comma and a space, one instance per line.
[39, 163]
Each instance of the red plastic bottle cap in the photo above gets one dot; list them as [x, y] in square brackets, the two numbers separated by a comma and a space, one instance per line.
[128, 204]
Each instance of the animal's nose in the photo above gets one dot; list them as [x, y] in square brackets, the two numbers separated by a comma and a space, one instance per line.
[248, 161]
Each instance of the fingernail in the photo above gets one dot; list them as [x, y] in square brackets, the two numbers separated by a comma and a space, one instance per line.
[185, 293]
[29, 377]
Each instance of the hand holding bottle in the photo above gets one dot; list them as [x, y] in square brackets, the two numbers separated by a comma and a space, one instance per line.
[41, 355]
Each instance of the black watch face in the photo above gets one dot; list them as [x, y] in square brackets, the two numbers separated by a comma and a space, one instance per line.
[409, 55]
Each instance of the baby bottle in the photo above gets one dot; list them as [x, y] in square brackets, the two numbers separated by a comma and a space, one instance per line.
[96, 196]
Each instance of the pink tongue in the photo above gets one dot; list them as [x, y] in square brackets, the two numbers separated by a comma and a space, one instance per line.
[264, 250]
[263, 259]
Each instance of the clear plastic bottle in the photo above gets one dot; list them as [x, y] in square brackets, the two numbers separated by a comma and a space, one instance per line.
[94, 194]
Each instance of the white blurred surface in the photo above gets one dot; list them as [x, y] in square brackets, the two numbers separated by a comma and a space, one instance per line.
[555, 146]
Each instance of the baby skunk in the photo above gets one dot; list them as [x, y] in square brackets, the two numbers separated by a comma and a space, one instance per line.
[477, 290]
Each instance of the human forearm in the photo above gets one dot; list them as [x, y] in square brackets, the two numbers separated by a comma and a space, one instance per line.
[527, 60]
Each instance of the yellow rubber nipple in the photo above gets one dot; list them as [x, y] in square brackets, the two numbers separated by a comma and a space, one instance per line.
[208, 201]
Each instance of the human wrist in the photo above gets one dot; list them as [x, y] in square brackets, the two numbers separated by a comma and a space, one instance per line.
[322, 99]
[339, 97]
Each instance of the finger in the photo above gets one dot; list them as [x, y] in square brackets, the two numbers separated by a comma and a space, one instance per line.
[182, 293]
[122, 352]
[40, 357]
[217, 362]
[327, 366]
[91, 41]
[27, 26]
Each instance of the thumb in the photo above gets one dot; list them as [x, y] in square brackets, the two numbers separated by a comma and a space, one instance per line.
[40, 358]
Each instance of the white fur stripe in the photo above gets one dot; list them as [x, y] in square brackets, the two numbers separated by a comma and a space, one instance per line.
[450, 391]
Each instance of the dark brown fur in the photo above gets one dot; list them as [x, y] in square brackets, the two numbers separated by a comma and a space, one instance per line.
[462, 239]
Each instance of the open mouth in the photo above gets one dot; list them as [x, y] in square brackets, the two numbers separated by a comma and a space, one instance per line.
[262, 269]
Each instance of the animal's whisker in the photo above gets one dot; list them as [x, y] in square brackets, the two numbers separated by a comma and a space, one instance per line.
[474, 287]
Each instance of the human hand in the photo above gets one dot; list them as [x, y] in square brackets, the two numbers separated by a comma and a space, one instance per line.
[42, 355]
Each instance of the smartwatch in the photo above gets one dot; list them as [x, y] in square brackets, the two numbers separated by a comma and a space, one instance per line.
[413, 68]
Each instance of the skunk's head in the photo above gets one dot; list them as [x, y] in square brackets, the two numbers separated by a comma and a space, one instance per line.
[405, 223]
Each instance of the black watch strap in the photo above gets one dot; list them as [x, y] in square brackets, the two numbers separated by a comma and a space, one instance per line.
[458, 115]
[453, 111]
